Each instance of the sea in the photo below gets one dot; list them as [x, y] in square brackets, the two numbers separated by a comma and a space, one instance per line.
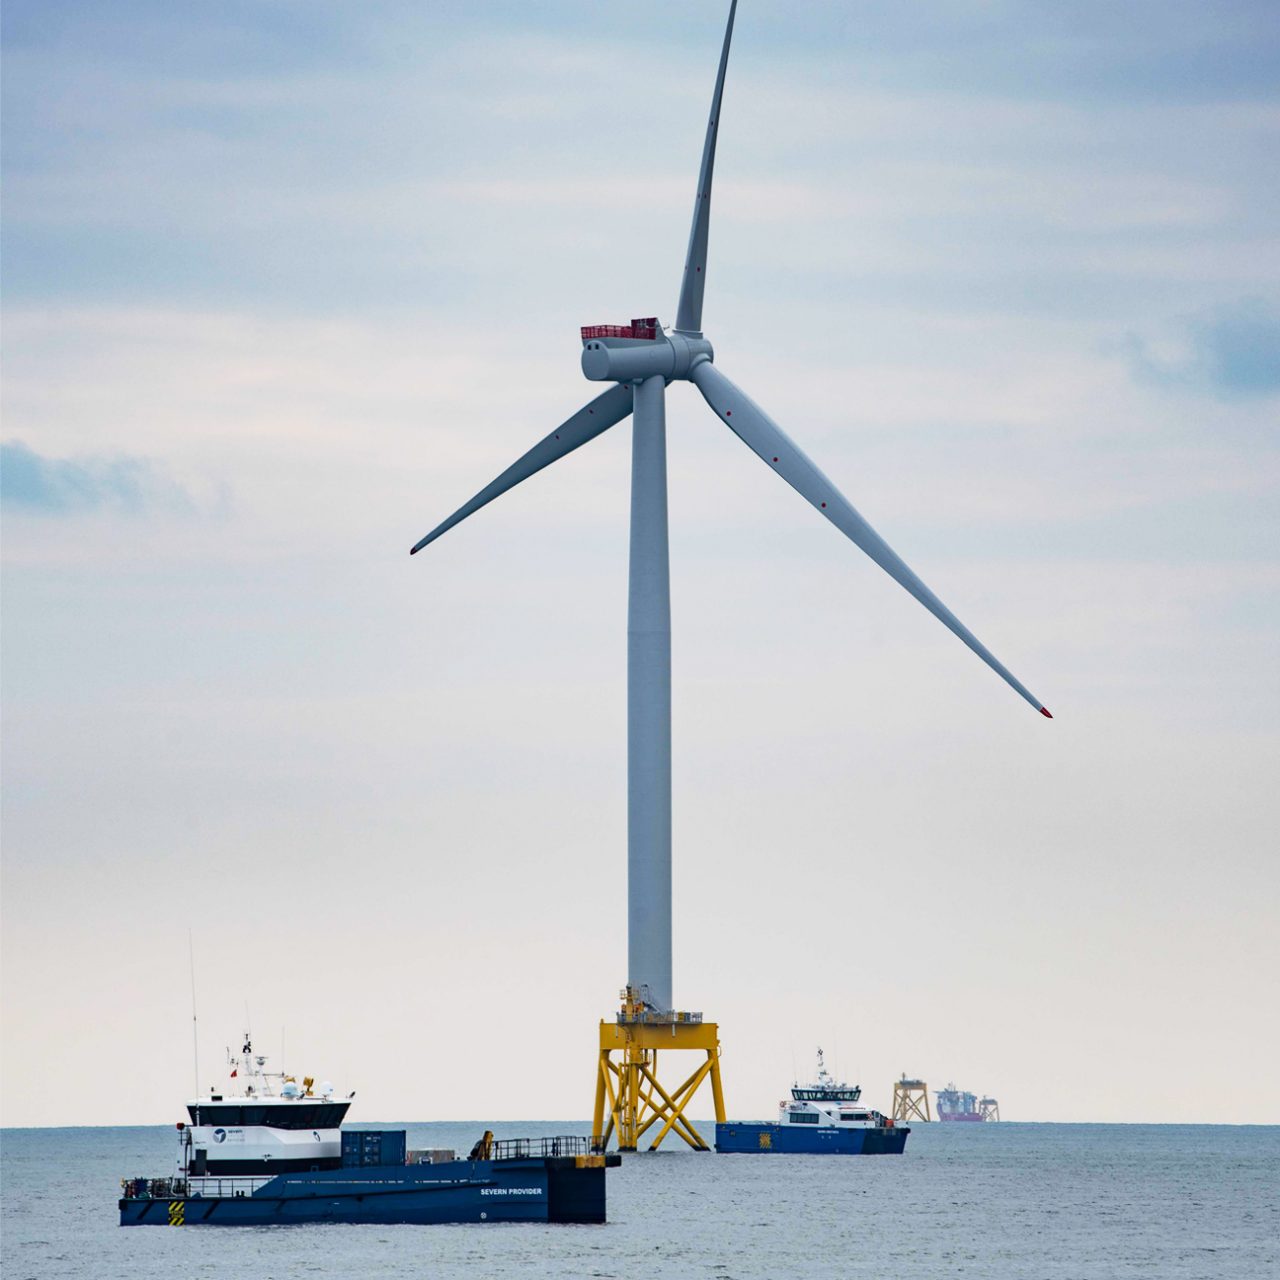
[1006, 1201]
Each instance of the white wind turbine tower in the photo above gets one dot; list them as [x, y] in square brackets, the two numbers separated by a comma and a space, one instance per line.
[639, 361]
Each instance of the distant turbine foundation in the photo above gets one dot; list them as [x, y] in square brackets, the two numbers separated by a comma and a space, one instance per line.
[910, 1101]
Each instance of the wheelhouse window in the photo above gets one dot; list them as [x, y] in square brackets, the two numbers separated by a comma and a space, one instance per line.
[804, 1117]
[301, 1115]
[854, 1115]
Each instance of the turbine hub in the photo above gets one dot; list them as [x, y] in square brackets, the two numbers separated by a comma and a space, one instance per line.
[639, 350]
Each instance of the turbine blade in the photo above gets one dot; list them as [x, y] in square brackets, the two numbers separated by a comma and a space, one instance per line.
[770, 443]
[689, 311]
[590, 421]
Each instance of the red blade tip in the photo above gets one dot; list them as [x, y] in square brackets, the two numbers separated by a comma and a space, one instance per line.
[1044, 711]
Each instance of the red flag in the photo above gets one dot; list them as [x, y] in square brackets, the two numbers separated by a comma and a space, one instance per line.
[233, 1075]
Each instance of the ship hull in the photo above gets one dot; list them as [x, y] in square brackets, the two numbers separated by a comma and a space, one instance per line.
[557, 1189]
[760, 1138]
[964, 1117]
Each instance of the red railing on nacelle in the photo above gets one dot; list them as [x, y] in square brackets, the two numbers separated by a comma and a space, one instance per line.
[644, 328]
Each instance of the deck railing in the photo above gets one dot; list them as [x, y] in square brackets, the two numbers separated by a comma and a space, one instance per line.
[185, 1188]
[647, 328]
[225, 1188]
[210, 1188]
[540, 1148]
[153, 1188]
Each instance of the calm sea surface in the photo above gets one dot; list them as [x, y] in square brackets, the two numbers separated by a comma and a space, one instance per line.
[1029, 1201]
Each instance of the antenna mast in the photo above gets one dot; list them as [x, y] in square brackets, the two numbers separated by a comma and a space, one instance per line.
[195, 1033]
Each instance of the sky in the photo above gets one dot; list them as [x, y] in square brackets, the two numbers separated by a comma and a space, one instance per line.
[285, 283]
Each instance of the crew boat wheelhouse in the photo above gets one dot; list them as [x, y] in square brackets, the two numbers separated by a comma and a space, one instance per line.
[826, 1102]
[276, 1124]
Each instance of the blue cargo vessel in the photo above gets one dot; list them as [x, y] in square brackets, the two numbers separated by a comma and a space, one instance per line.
[266, 1158]
[823, 1118]
[526, 1180]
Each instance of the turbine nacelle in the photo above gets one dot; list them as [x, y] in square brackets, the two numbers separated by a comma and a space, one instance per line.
[639, 350]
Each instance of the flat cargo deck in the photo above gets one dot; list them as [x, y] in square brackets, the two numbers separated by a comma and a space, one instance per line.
[566, 1188]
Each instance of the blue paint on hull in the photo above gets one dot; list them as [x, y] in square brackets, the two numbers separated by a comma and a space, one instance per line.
[534, 1190]
[760, 1138]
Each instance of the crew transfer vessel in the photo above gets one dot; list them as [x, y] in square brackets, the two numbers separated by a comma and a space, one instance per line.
[822, 1118]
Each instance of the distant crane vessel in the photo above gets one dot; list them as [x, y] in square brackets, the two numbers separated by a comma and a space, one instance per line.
[958, 1105]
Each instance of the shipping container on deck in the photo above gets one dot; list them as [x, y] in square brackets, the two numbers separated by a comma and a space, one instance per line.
[372, 1148]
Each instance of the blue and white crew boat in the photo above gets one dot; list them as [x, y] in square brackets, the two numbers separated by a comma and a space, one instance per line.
[823, 1118]
[275, 1153]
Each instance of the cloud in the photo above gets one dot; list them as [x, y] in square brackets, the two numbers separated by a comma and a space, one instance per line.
[1241, 348]
[67, 486]
[1230, 352]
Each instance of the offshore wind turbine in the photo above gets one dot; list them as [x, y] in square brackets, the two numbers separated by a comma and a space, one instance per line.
[640, 360]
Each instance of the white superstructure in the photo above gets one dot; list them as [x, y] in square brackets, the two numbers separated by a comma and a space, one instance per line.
[273, 1124]
[827, 1103]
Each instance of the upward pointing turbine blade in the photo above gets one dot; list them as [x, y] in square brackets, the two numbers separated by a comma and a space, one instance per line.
[689, 311]
[590, 421]
[771, 444]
